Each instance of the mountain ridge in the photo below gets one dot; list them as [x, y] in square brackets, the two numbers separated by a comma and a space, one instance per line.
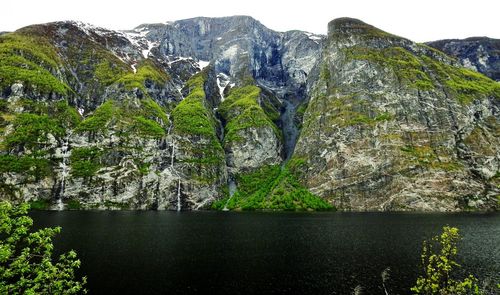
[191, 113]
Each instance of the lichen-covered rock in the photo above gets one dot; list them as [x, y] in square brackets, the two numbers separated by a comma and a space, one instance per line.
[251, 139]
[205, 111]
[392, 125]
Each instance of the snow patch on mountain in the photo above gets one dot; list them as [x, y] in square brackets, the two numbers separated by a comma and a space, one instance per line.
[203, 64]
[314, 37]
[222, 82]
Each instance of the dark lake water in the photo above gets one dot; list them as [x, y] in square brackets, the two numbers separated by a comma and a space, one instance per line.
[263, 253]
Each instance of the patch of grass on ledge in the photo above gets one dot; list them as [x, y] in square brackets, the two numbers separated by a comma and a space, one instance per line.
[146, 71]
[272, 188]
[191, 116]
[407, 67]
[99, 120]
[241, 111]
[32, 60]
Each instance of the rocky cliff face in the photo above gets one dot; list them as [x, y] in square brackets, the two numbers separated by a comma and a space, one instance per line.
[224, 112]
[88, 120]
[393, 125]
[481, 54]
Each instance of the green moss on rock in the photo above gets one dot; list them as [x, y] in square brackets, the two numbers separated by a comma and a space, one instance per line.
[191, 115]
[403, 63]
[241, 111]
[147, 128]
[99, 120]
[427, 157]
[153, 109]
[466, 85]
[146, 71]
[27, 165]
[31, 130]
[31, 60]
[85, 161]
[108, 72]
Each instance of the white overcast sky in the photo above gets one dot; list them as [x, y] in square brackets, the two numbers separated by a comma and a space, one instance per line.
[419, 20]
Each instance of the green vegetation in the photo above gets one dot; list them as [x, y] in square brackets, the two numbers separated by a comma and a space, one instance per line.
[345, 111]
[271, 110]
[74, 205]
[465, 84]
[65, 115]
[191, 115]
[99, 120]
[146, 71]
[299, 115]
[30, 59]
[427, 157]
[41, 204]
[147, 128]
[128, 118]
[360, 28]
[108, 71]
[26, 262]
[438, 262]
[241, 110]
[28, 165]
[416, 72]
[274, 188]
[153, 109]
[325, 74]
[206, 154]
[28, 56]
[116, 205]
[85, 161]
[31, 130]
[403, 63]
[29, 134]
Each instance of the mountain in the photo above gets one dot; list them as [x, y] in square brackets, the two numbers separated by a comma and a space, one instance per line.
[481, 54]
[225, 113]
[394, 125]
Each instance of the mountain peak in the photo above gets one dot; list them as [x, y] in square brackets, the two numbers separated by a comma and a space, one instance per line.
[353, 26]
[346, 24]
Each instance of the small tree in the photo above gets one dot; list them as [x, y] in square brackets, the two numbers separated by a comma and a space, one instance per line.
[438, 263]
[26, 265]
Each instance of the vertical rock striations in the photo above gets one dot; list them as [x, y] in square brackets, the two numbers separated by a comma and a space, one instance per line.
[228, 114]
[393, 125]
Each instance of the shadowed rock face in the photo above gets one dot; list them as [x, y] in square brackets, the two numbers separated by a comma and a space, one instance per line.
[164, 116]
[478, 53]
[239, 46]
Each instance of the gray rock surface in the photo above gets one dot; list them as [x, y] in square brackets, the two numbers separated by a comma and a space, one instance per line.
[365, 119]
[478, 53]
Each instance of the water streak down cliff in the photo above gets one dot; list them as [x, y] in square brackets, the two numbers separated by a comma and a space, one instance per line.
[187, 114]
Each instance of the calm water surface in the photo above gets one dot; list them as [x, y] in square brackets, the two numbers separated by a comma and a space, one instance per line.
[263, 253]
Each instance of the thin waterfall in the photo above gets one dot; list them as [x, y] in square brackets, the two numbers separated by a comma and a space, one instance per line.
[172, 156]
[64, 173]
[179, 205]
[232, 190]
